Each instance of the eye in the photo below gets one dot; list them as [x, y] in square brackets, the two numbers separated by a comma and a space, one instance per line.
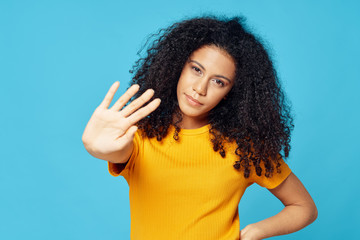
[218, 82]
[196, 69]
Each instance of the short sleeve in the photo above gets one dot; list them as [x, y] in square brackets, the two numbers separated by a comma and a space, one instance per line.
[275, 180]
[124, 169]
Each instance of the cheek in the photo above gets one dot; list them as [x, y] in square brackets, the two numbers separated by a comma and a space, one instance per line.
[183, 83]
[179, 88]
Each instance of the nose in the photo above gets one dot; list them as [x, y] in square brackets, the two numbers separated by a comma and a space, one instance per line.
[200, 87]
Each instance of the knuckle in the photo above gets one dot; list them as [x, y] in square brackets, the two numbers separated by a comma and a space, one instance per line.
[152, 106]
[127, 95]
[120, 102]
[137, 103]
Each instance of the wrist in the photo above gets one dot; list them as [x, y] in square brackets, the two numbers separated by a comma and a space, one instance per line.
[251, 232]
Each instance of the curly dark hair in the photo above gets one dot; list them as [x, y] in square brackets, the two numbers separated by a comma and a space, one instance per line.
[255, 112]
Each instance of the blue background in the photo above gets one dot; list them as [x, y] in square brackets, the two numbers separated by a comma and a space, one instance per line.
[59, 58]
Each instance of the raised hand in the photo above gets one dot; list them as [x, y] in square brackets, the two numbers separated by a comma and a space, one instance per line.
[111, 130]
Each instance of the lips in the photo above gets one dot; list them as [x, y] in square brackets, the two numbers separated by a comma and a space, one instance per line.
[192, 101]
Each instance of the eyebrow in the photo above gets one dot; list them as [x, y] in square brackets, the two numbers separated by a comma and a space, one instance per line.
[219, 76]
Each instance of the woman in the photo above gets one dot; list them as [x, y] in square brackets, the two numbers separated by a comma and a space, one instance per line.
[222, 125]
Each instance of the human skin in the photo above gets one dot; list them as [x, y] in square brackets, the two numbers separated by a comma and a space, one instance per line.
[200, 80]
[110, 131]
[207, 77]
[299, 211]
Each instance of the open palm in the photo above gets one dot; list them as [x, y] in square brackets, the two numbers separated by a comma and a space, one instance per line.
[112, 129]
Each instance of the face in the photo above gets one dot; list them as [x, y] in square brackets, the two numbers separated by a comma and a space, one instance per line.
[207, 77]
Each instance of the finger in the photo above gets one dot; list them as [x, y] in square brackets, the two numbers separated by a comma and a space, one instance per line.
[137, 103]
[144, 111]
[109, 95]
[121, 102]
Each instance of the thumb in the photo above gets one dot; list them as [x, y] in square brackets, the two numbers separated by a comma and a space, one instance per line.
[131, 132]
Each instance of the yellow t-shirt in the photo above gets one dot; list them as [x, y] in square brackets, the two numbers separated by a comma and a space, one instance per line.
[184, 189]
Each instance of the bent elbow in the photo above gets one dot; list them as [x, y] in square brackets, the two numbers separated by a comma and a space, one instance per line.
[312, 213]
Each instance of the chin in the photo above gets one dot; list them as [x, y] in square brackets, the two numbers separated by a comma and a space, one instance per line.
[192, 113]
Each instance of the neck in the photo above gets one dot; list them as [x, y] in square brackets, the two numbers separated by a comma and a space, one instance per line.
[192, 123]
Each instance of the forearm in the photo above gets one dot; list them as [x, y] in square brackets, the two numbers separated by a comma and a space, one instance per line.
[291, 219]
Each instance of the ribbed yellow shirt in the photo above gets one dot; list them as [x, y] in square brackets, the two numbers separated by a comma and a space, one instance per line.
[184, 189]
